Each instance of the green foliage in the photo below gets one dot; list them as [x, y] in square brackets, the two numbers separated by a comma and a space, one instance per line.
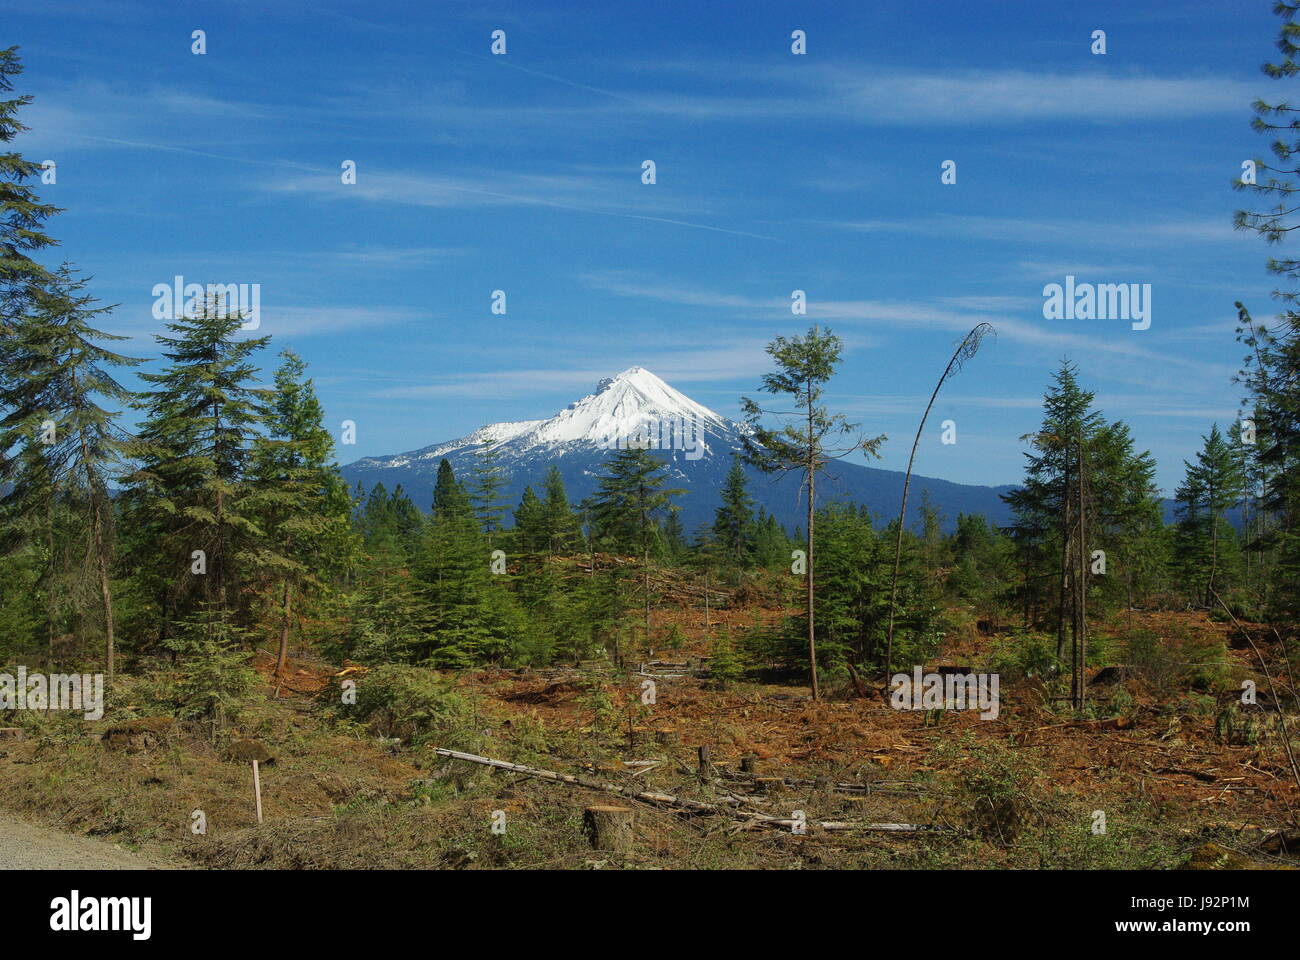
[413, 703]
[1177, 661]
[631, 501]
[489, 479]
[1024, 655]
[1121, 503]
[1271, 369]
[1206, 545]
[215, 677]
[994, 789]
[726, 665]
[22, 215]
[733, 520]
[194, 454]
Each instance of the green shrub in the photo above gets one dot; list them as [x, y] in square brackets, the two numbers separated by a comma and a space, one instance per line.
[1025, 655]
[214, 678]
[412, 703]
[725, 665]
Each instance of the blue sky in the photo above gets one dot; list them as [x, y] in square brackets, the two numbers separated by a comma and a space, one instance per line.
[775, 172]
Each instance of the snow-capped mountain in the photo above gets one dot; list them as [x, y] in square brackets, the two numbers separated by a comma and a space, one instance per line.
[636, 408]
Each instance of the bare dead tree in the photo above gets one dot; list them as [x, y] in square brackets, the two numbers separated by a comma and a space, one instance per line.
[965, 350]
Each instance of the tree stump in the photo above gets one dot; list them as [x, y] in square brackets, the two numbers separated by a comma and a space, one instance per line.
[136, 735]
[609, 828]
[749, 765]
[706, 768]
[668, 738]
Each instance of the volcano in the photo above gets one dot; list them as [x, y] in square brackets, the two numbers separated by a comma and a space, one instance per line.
[638, 408]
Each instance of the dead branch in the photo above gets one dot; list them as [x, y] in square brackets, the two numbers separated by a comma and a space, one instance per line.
[681, 803]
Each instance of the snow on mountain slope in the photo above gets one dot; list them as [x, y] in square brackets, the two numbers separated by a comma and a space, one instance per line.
[633, 408]
[625, 406]
[636, 408]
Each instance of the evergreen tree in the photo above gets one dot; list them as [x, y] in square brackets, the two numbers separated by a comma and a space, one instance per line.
[66, 372]
[488, 480]
[627, 507]
[733, 519]
[1272, 366]
[805, 443]
[407, 520]
[1039, 505]
[1077, 447]
[301, 499]
[531, 531]
[192, 514]
[450, 500]
[22, 215]
[771, 544]
[672, 537]
[1213, 484]
[561, 523]
[475, 618]
[31, 530]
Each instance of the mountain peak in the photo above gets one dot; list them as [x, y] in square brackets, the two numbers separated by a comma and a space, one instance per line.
[624, 406]
[632, 407]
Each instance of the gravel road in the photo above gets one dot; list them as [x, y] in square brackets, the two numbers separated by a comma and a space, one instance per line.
[25, 847]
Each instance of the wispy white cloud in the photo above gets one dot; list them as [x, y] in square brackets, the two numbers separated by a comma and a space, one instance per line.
[951, 314]
[972, 96]
[581, 194]
[1109, 232]
[278, 320]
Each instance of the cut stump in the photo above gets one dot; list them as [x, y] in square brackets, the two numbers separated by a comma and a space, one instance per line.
[609, 828]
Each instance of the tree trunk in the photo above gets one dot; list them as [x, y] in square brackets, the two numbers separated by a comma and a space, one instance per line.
[49, 585]
[812, 489]
[1065, 559]
[283, 657]
[645, 563]
[1214, 553]
[1082, 585]
[609, 828]
[101, 563]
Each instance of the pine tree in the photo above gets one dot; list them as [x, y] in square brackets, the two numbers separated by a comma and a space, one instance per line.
[771, 544]
[408, 521]
[1213, 484]
[733, 519]
[1271, 370]
[31, 525]
[627, 507]
[1087, 495]
[193, 520]
[487, 481]
[805, 443]
[671, 540]
[450, 500]
[22, 215]
[1039, 504]
[301, 499]
[475, 617]
[530, 523]
[561, 523]
[66, 373]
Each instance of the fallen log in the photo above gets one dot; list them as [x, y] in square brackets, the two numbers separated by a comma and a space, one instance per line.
[679, 803]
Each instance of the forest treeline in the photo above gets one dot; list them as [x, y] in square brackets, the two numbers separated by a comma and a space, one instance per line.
[184, 523]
